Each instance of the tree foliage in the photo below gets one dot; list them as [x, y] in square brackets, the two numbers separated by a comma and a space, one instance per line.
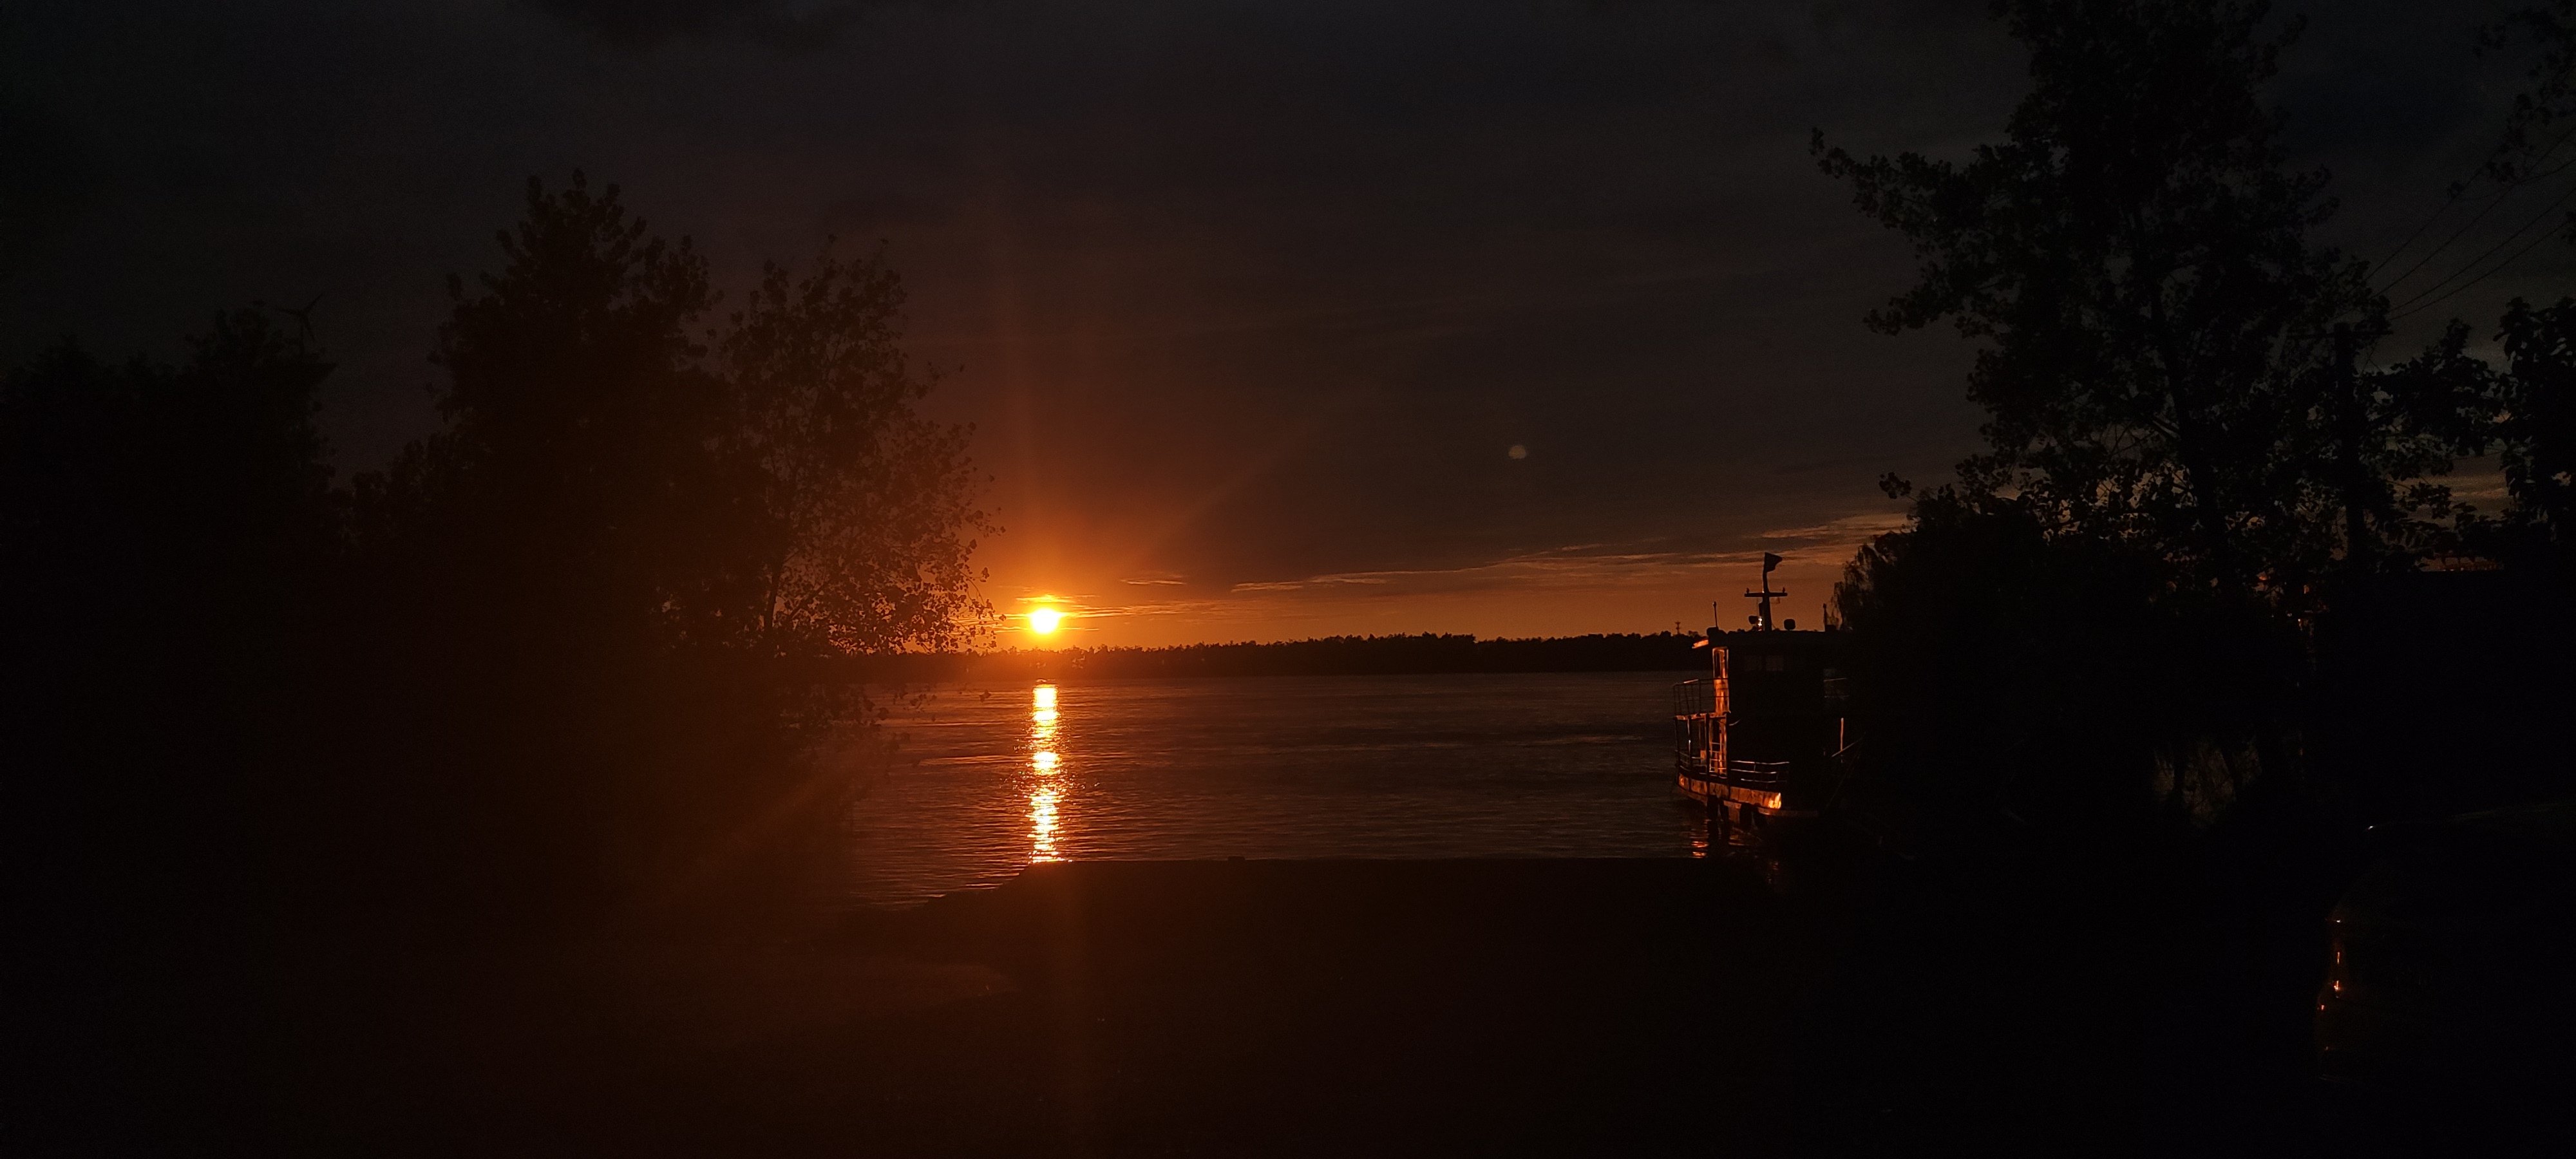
[2535, 425]
[2094, 619]
[861, 502]
[2518, 408]
[2158, 359]
[2545, 31]
[639, 537]
[772, 490]
[573, 649]
[165, 532]
[2052, 678]
[2183, 461]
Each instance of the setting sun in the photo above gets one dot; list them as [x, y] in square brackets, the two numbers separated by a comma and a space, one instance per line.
[1044, 620]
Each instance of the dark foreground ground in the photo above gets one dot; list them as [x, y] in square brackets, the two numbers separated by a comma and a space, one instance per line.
[1279, 1008]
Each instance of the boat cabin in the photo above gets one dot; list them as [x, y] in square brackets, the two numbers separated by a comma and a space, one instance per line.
[1761, 739]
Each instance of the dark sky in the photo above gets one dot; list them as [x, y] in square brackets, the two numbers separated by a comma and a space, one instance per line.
[1251, 300]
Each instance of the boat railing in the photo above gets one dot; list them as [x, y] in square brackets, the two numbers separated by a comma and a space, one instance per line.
[1699, 698]
[1757, 774]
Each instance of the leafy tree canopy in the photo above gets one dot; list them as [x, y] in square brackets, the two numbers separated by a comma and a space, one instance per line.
[2160, 360]
[771, 489]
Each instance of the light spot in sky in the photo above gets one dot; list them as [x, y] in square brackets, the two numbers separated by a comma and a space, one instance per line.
[1518, 451]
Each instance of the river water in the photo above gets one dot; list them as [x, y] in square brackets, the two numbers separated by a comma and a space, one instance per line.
[993, 777]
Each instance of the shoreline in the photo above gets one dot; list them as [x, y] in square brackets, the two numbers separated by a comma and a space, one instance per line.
[1288, 1007]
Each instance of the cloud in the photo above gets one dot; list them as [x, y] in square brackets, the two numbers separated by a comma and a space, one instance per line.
[1258, 291]
[1846, 533]
[1534, 570]
[647, 23]
[48, 180]
[1636, 564]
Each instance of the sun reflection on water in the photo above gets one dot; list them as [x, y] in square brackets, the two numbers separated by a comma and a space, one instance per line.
[1042, 825]
[1046, 791]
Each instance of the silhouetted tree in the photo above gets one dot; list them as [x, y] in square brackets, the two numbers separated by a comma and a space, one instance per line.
[2546, 30]
[2519, 411]
[2057, 679]
[2535, 428]
[863, 505]
[621, 564]
[2158, 363]
[165, 533]
[2096, 616]
[2524, 413]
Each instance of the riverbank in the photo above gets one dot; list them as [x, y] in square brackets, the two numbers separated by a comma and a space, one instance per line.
[1287, 1008]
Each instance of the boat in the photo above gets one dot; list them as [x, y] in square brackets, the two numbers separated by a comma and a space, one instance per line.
[1762, 739]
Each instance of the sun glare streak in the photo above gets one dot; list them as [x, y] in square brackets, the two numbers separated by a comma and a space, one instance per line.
[1044, 697]
[1043, 762]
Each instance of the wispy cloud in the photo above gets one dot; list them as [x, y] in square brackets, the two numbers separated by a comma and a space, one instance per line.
[1848, 532]
[1549, 569]
[785, 24]
[2479, 481]
[1637, 564]
[1614, 581]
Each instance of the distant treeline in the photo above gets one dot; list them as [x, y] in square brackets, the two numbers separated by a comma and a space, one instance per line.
[1330, 656]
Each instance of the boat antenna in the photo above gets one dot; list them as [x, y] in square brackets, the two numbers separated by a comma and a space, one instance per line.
[1762, 620]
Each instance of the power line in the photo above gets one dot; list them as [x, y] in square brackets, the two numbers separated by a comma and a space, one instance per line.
[2472, 223]
[2436, 251]
[2458, 190]
[2499, 268]
[2509, 239]
[2414, 305]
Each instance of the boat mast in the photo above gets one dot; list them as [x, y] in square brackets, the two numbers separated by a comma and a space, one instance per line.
[1762, 620]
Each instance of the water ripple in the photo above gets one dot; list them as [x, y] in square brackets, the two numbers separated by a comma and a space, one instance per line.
[996, 776]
